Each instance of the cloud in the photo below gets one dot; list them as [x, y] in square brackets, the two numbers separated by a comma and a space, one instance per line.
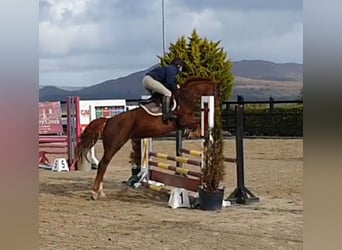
[233, 5]
[81, 37]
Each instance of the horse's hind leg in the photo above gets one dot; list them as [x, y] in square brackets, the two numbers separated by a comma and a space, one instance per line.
[101, 170]
[109, 151]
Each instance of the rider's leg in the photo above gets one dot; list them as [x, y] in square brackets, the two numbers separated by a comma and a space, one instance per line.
[150, 83]
[153, 85]
[166, 109]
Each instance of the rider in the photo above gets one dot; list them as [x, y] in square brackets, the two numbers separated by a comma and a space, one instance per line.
[163, 80]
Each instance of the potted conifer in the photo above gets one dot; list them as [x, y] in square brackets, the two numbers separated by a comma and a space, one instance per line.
[213, 172]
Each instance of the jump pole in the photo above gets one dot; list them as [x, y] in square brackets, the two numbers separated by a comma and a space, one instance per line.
[73, 128]
[199, 154]
[94, 162]
[157, 180]
[207, 122]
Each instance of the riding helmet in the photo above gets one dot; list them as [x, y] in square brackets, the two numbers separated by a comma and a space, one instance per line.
[179, 62]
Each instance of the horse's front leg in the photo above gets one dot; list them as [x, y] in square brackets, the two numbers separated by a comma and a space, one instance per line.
[193, 124]
[195, 131]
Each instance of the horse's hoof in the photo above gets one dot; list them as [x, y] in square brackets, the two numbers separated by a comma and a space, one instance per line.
[93, 195]
[132, 180]
[102, 194]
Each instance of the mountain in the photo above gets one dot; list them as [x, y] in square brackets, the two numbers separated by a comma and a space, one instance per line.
[255, 80]
[129, 87]
[264, 70]
[51, 93]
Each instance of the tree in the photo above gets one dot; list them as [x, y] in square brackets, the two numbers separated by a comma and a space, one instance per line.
[204, 58]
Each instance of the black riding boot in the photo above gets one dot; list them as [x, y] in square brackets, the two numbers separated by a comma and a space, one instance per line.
[166, 109]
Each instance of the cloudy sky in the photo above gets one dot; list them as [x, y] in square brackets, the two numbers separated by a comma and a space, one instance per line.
[85, 42]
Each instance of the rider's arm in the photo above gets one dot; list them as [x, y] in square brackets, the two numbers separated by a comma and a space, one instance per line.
[171, 80]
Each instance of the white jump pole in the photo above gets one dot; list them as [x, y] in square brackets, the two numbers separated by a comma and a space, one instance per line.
[93, 159]
[208, 101]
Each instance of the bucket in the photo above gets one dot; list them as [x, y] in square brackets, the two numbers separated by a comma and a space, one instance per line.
[210, 200]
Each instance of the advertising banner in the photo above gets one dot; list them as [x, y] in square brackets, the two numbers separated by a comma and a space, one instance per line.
[50, 118]
[101, 108]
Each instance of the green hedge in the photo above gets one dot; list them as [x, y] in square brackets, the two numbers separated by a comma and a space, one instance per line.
[260, 120]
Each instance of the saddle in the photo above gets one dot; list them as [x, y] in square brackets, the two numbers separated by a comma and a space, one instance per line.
[153, 105]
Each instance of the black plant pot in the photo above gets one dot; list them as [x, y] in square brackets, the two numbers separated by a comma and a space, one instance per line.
[210, 200]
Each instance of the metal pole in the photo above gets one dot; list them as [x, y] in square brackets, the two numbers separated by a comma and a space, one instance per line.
[239, 145]
[179, 146]
[163, 27]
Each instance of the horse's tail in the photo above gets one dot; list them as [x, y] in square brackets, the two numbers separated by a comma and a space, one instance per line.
[89, 137]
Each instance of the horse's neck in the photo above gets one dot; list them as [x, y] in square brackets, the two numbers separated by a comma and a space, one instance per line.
[195, 90]
[186, 98]
[192, 92]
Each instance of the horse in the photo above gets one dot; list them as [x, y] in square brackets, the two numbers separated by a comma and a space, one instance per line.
[136, 124]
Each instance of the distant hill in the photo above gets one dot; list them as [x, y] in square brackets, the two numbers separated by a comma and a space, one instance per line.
[255, 90]
[51, 93]
[255, 80]
[264, 70]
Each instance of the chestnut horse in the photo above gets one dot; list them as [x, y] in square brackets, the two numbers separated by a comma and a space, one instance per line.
[137, 123]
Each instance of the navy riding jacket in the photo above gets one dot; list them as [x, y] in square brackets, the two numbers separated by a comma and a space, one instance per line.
[166, 75]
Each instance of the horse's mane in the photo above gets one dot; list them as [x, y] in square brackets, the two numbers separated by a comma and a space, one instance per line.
[192, 79]
[196, 78]
[190, 82]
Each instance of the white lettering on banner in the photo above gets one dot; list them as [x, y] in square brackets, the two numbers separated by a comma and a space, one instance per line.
[50, 118]
[49, 122]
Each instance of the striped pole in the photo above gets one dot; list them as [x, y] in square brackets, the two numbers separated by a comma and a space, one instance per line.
[192, 152]
[157, 188]
[199, 154]
[183, 171]
[175, 158]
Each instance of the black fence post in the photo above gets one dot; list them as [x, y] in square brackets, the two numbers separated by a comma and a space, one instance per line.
[241, 194]
[179, 145]
[271, 120]
[226, 115]
[241, 104]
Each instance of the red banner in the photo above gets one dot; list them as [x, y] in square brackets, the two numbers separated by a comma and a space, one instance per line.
[50, 118]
